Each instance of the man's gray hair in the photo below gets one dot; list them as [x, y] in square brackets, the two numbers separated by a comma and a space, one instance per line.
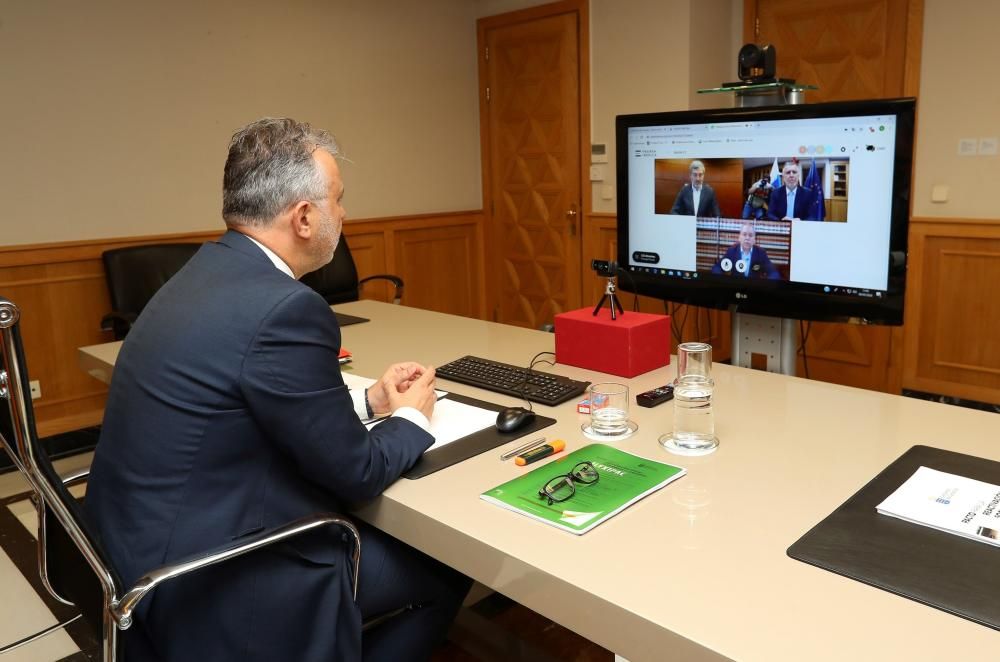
[792, 163]
[696, 165]
[270, 167]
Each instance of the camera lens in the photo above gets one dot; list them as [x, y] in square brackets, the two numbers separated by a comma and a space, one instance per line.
[750, 56]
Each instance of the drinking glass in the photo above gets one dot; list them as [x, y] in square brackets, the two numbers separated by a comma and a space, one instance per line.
[609, 409]
[694, 422]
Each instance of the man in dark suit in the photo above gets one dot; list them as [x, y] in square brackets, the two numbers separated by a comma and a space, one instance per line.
[696, 198]
[745, 259]
[228, 415]
[802, 199]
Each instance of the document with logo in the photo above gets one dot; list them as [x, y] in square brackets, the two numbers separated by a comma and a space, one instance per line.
[953, 504]
[574, 500]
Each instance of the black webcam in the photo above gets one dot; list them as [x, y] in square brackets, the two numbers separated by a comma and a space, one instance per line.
[605, 268]
[756, 64]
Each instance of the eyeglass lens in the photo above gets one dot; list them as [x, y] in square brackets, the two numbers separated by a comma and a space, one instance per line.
[559, 488]
[562, 487]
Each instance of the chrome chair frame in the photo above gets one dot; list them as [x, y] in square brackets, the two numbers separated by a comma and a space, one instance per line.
[119, 603]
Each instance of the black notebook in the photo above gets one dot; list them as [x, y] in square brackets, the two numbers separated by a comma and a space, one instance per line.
[939, 569]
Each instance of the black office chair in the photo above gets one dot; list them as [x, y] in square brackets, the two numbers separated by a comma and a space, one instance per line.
[134, 274]
[338, 281]
[72, 564]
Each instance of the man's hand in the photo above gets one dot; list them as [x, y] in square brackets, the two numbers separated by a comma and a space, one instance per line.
[417, 393]
[397, 377]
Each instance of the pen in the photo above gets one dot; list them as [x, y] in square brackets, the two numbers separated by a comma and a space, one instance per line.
[536, 454]
[522, 448]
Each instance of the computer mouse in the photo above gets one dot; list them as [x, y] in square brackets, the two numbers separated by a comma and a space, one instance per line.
[513, 418]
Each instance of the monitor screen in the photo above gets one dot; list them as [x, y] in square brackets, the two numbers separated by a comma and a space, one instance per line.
[794, 211]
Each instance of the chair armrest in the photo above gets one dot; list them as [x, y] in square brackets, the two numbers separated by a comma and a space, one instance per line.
[119, 323]
[395, 280]
[71, 478]
[122, 609]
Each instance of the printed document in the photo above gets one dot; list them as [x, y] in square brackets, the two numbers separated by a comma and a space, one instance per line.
[949, 503]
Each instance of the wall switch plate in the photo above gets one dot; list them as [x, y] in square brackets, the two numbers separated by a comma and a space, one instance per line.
[967, 146]
[939, 193]
[988, 146]
[599, 153]
[597, 173]
[36, 389]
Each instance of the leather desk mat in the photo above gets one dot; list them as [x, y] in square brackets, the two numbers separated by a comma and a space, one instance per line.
[473, 444]
[941, 570]
[346, 320]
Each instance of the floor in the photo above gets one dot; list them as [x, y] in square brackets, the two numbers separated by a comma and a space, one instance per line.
[490, 627]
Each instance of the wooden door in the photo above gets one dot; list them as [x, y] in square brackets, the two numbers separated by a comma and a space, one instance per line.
[851, 49]
[530, 71]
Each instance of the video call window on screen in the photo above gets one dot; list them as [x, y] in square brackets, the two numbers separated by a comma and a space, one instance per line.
[812, 199]
[744, 188]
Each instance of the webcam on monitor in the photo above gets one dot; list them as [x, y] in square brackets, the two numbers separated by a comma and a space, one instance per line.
[757, 64]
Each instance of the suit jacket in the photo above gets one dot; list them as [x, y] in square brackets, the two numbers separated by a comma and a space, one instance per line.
[777, 206]
[760, 264]
[227, 414]
[707, 204]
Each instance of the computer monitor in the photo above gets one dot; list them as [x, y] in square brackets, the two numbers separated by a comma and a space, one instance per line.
[802, 210]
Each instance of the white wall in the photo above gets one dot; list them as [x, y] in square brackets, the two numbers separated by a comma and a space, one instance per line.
[959, 98]
[116, 114]
[649, 56]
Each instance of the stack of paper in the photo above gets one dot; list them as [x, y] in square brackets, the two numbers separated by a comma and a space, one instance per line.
[953, 504]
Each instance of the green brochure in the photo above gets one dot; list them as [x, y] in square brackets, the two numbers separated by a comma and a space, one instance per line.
[624, 479]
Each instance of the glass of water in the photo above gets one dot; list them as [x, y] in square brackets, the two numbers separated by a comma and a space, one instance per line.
[609, 410]
[694, 422]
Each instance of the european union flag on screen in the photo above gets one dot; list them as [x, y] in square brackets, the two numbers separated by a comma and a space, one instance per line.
[818, 212]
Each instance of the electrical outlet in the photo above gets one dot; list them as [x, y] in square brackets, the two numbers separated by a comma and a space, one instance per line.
[36, 389]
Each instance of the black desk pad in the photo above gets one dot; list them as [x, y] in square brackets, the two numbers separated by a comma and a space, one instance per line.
[473, 444]
[942, 570]
[347, 320]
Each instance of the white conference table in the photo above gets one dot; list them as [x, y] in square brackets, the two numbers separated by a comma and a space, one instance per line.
[698, 570]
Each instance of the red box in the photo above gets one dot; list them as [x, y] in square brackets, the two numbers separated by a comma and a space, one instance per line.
[630, 345]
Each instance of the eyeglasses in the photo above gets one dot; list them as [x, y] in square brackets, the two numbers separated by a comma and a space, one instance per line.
[562, 488]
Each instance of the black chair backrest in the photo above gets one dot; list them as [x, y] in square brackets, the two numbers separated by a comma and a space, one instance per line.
[337, 282]
[69, 573]
[135, 273]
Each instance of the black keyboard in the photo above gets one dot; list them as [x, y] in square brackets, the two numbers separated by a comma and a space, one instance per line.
[513, 380]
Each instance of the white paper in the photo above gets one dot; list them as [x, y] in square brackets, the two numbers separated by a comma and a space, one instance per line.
[953, 504]
[453, 420]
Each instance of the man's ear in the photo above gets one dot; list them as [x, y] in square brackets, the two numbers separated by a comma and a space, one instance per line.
[302, 224]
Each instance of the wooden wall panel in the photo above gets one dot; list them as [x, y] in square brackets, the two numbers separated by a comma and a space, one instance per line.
[61, 291]
[441, 268]
[368, 251]
[953, 310]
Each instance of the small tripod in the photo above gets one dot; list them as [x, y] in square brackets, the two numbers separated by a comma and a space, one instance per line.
[611, 298]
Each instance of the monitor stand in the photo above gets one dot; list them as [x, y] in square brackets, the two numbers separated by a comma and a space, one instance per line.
[765, 343]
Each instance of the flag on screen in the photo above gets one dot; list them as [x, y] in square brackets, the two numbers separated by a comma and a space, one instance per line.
[818, 211]
[775, 174]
